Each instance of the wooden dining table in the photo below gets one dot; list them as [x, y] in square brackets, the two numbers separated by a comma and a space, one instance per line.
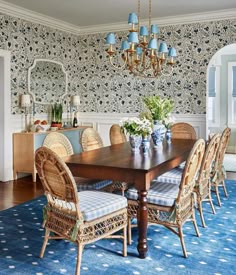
[119, 163]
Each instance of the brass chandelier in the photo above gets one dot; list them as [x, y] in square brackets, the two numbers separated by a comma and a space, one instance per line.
[143, 54]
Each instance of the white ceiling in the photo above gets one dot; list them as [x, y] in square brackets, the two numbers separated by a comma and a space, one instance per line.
[84, 13]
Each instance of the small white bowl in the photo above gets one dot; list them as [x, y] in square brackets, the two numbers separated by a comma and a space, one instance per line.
[40, 127]
[53, 129]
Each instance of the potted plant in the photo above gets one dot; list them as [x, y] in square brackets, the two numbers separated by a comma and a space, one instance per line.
[57, 111]
[160, 109]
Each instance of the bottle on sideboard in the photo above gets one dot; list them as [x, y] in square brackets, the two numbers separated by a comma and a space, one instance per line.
[75, 122]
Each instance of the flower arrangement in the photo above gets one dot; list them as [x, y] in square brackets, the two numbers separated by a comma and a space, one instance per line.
[160, 108]
[169, 121]
[135, 126]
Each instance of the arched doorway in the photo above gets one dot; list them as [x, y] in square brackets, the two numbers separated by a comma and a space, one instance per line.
[221, 97]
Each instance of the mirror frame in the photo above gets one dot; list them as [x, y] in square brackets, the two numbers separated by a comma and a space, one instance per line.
[29, 79]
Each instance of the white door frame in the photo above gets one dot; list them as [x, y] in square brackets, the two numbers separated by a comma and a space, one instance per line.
[5, 117]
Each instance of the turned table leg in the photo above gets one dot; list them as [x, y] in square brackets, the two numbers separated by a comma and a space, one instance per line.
[142, 224]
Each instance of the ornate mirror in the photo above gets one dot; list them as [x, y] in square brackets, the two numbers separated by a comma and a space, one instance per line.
[47, 81]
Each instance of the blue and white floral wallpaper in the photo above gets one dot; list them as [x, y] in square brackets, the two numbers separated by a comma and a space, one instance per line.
[103, 89]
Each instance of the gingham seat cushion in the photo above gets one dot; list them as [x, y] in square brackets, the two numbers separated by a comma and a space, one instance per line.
[160, 193]
[94, 204]
[173, 176]
[181, 166]
[91, 184]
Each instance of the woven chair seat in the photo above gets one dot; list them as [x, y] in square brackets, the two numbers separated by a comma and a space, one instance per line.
[160, 193]
[173, 176]
[94, 205]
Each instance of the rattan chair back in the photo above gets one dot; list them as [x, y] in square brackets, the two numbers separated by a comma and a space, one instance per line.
[203, 184]
[90, 140]
[190, 172]
[55, 176]
[59, 144]
[224, 140]
[208, 159]
[183, 130]
[218, 172]
[116, 135]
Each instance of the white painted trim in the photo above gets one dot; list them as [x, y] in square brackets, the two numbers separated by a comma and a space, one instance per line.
[17, 11]
[5, 113]
[35, 17]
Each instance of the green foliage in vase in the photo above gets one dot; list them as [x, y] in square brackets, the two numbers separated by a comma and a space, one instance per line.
[160, 108]
[135, 126]
[57, 111]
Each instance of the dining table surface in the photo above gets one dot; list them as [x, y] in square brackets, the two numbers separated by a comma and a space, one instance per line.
[119, 163]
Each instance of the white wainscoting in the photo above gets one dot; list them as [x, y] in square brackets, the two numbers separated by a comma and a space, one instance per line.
[103, 122]
[99, 121]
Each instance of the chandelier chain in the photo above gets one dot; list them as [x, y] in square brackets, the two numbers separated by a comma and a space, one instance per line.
[150, 13]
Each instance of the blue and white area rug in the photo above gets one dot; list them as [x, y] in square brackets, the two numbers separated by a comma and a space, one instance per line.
[21, 237]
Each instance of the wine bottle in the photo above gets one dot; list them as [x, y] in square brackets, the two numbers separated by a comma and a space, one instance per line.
[75, 122]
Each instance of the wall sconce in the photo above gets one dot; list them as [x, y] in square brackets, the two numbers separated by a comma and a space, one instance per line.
[75, 102]
[25, 103]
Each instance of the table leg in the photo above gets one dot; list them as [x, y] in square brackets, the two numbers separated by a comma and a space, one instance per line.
[142, 224]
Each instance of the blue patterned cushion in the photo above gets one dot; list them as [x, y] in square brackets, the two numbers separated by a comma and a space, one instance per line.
[97, 204]
[173, 176]
[91, 184]
[160, 193]
[181, 166]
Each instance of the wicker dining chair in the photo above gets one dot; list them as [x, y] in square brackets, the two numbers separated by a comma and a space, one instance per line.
[61, 145]
[218, 174]
[171, 205]
[203, 184]
[183, 130]
[90, 140]
[79, 217]
[116, 135]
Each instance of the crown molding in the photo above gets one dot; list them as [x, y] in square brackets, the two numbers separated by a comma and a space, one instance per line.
[35, 17]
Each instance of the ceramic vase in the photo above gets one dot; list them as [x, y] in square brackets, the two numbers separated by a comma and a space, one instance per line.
[145, 144]
[135, 143]
[158, 133]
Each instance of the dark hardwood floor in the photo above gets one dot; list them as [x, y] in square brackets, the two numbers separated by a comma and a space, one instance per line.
[18, 191]
[15, 192]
